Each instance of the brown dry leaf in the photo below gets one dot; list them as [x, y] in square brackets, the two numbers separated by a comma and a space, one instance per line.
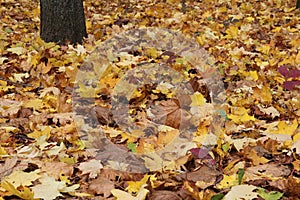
[252, 154]
[269, 111]
[166, 137]
[169, 113]
[290, 185]
[8, 166]
[9, 107]
[203, 177]
[296, 165]
[268, 171]
[164, 194]
[103, 115]
[54, 169]
[101, 185]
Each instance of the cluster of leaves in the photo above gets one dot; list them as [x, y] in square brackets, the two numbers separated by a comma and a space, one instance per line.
[256, 154]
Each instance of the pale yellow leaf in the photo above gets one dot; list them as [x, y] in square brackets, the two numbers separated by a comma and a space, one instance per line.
[121, 195]
[18, 178]
[91, 167]
[17, 50]
[244, 192]
[49, 188]
[197, 99]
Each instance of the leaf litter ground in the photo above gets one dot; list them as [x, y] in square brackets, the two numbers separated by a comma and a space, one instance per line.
[255, 46]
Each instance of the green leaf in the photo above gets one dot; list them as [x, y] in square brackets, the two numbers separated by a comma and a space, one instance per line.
[209, 18]
[179, 61]
[223, 114]
[226, 147]
[131, 146]
[217, 197]
[8, 30]
[241, 173]
[273, 195]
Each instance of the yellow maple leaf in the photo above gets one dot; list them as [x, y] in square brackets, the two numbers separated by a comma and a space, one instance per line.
[23, 193]
[296, 137]
[37, 134]
[121, 195]
[240, 115]
[284, 128]
[287, 60]
[86, 91]
[165, 138]
[197, 99]
[228, 181]
[263, 94]
[135, 186]
[201, 39]
[2, 151]
[252, 74]
[37, 104]
[265, 49]
[18, 178]
[232, 32]
[295, 43]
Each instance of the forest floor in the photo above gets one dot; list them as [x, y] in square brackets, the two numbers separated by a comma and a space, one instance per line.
[63, 124]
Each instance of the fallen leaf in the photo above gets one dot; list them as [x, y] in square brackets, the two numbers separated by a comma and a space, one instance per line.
[228, 181]
[244, 192]
[50, 189]
[20, 178]
[135, 186]
[273, 195]
[251, 154]
[240, 115]
[169, 113]
[290, 85]
[54, 169]
[22, 192]
[17, 50]
[285, 128]
[101, 186]
[2, 59]
[269, 170]
[164, 194]
[203, 177]
[91, 167]
[7, 167]
[121, 195]
[273, 112]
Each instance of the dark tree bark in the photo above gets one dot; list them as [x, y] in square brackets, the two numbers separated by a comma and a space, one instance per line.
[298, 4]
[62, 20]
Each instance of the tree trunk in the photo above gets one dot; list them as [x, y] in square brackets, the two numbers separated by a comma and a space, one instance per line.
[298, 4]
[62, 20]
